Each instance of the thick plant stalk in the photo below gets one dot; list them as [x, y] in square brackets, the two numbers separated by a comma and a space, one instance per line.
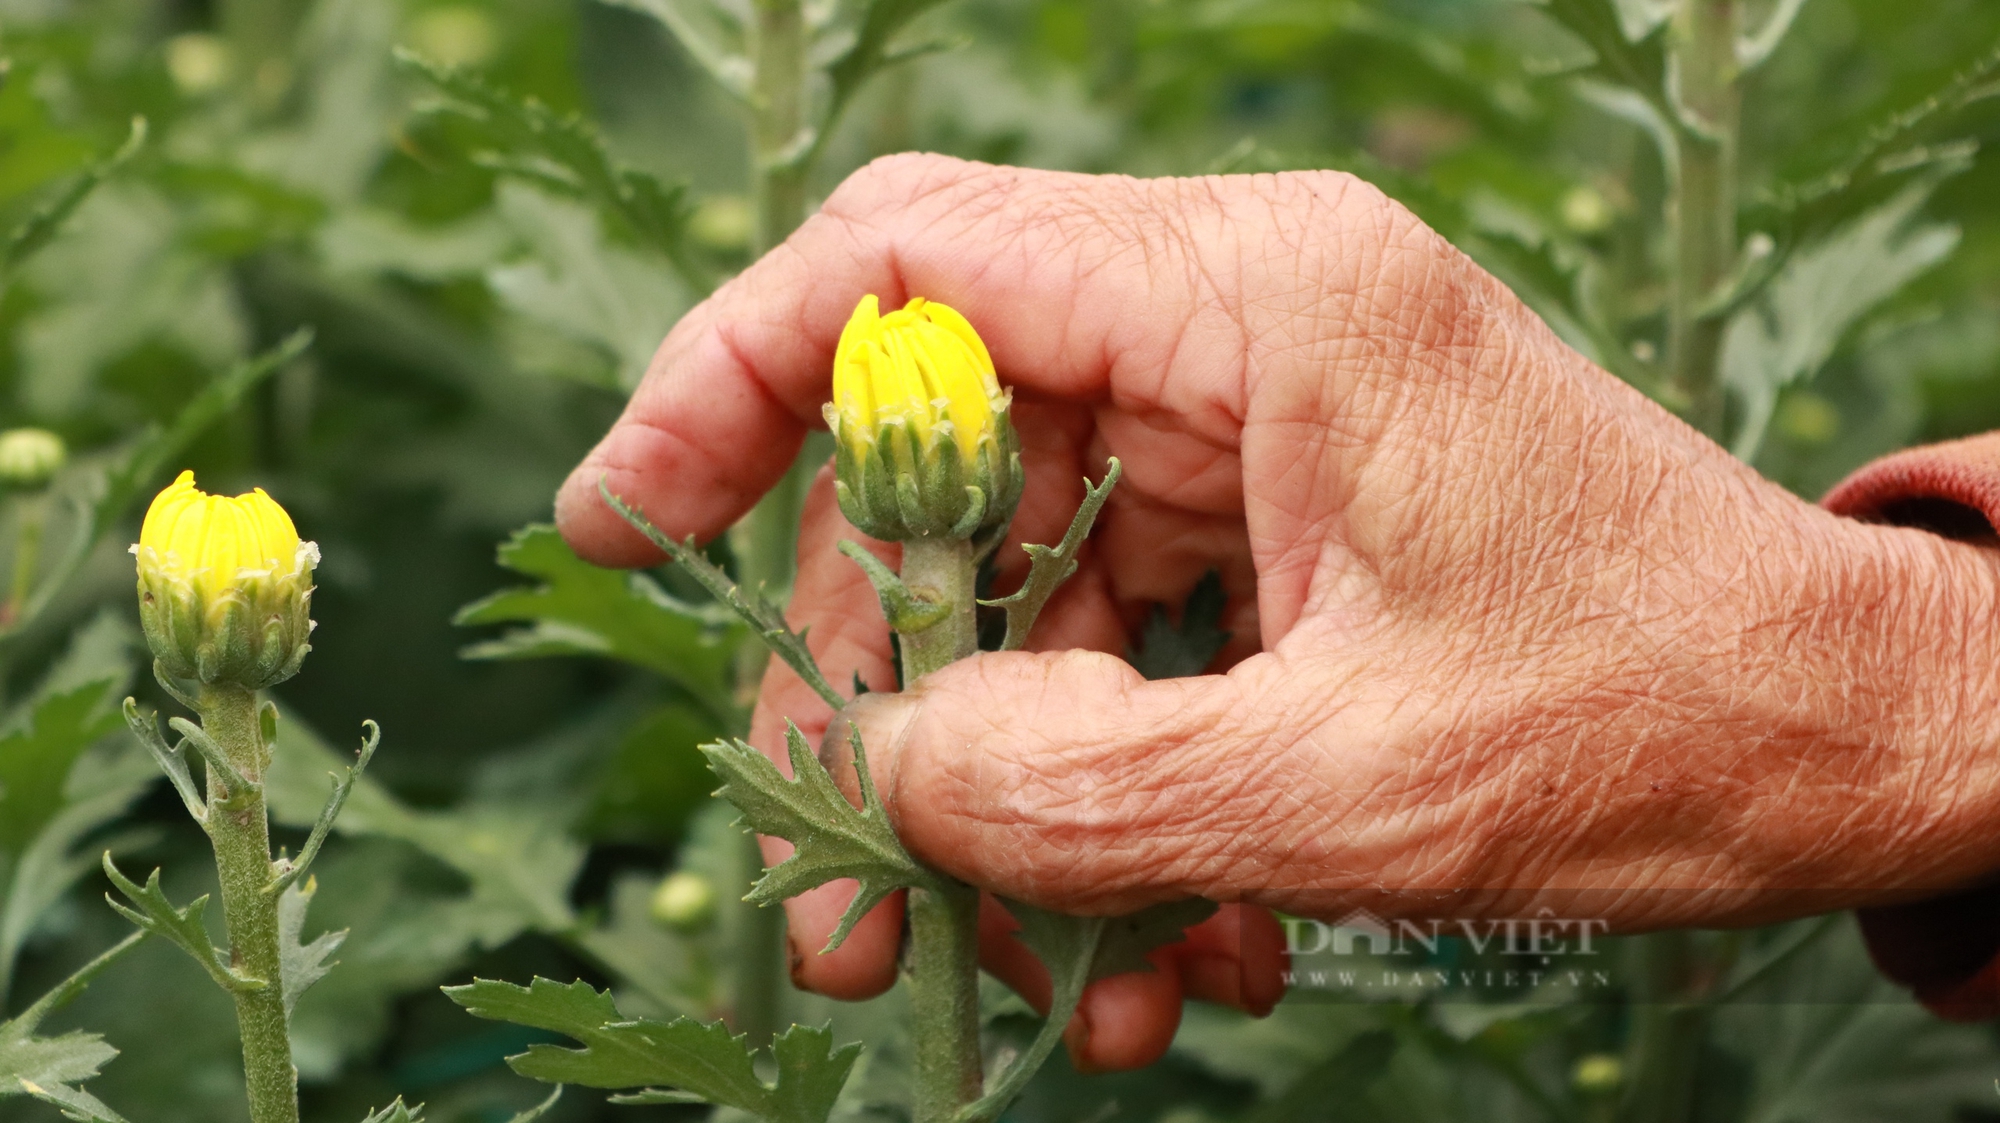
[942, 964]
[1709, 100]
[34, 511]
[765, 540]
[777, 104]
[941, 571]
[239, 830]
[943, 955]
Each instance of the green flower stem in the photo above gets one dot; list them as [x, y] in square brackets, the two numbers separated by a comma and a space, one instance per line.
[1704, 202]
[33, 511]
[943, 954]
[765, 540]
[777, 107]
[942, 968]
[1669, 1023]
[942, 571]
[239, 829]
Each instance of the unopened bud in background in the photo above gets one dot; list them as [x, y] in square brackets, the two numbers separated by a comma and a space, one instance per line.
[30, 458]
[685, 902]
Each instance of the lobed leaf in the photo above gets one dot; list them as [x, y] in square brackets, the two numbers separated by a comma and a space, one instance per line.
[763, 617]
[576, 162]
[300, 965]
[182, 927]
[580, 609]
[1169, 650]
[682, 1061]
[1049, 567]
[832, 838]
[50, 1068]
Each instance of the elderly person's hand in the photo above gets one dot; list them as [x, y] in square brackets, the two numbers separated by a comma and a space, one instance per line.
[1503, 626]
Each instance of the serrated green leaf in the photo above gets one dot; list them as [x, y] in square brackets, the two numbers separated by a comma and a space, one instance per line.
[1050, 566]
[1127, 940]
[811, 1073]
[300, 965]
[579, 609]
[1792, 329]
[700, 1061]
[517, 857]
[44, 813]
[1169, 650]
[397, 1113]
[575, 161]
[49, 1068]
[182, 927]
[701, 1058]
[832, 838]
[764, 618]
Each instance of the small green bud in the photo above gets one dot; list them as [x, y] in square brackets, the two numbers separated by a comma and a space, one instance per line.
[923, 444]
[30, 458]
[1598, 1074]
[684, 902]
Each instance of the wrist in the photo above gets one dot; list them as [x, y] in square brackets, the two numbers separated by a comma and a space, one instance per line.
[1913, 686]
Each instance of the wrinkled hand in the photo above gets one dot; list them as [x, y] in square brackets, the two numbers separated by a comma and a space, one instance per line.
[1503, 627]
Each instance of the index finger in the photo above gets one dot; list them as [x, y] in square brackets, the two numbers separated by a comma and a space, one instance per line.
[1083, 287]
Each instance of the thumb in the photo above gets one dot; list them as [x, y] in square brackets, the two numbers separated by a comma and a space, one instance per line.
[1065, 780]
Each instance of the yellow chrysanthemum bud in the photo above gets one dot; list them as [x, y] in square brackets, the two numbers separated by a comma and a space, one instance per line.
[225, 586]
[923, 445]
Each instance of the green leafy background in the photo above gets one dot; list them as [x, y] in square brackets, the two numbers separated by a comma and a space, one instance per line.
[486, 265]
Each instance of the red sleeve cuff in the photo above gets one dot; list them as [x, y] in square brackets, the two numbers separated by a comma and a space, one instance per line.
[1946, 950]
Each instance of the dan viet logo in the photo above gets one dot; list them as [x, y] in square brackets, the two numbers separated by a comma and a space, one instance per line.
[1363, 933]
[1445, 954]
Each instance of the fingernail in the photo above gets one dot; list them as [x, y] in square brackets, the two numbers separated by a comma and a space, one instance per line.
[1076, 1038]
[796, 961]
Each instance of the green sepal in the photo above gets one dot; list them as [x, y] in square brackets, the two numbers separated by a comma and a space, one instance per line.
[832, 838]
[900, 482]
[905, 611]
[254, 634]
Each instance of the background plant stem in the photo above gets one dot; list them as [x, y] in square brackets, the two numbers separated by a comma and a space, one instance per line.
[1704, 202]
[239, 829]
[765, 540]
[33, 509]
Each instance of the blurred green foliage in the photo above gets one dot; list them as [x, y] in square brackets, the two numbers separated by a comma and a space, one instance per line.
[485, 280]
